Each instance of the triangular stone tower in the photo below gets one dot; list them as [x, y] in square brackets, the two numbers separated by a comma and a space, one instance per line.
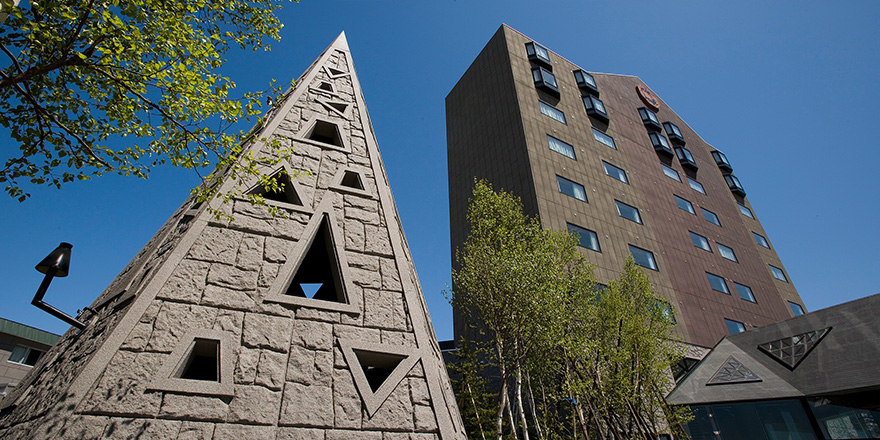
[311, 325]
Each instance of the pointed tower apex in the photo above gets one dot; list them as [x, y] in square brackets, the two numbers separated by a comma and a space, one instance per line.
[341, 42]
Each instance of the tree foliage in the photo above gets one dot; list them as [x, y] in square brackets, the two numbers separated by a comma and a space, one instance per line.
[107, 86]
[570, 358]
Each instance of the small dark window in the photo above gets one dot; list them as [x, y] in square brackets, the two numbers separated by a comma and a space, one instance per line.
[643, 257]
[685, 205]
[734, 185]
[615, 172]
[649, 118]
[686, 158]
[796, 308]
[202, 363]
[25, 355]
[717, 283]
[674, 133]
[670, 173]
[710, 217]
[761, 240]
[352, 180]
[571, 189]
[745, 292]
[726, 252]
[538, 54]
[696, 186]
[325, 132]
[628, 212]
[283, 191]
[721, 161]
[595, 107]
[586, 238]
[701, 242]
[545, 80]
[586, 82]
[745, 211]
[778, 273]
[325, 86]
[734, 327]
[661, 145]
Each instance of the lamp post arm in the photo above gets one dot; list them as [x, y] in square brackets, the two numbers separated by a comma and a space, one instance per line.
[38, 301]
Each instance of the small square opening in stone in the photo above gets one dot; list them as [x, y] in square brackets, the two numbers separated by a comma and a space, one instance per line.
[203, 361]
[377, 366]
[352, 179]
[325, 132]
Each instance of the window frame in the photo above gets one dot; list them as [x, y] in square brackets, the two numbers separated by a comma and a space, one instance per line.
[673, 132]
[777, 273]
[638, 215]
[709, 277]
[651, 258]
[686, 158]
[739, 325]
[721, 160]
[581, 76]
[562, 142]
[621, 172]
[717, 221]
[598, 135]
[577, 230]
[689, 204]
[674, 176]
[705, 240]
[761, 240]
[722, 251]
[799, 312]
[551, 109]
[574, 184]
[751, 294]
[744, 210]
[649, 118]
[661, 144]
[542, 83]
[534, 54]
[696, 186]
[599, 111]
[24, 355]
[734, 184]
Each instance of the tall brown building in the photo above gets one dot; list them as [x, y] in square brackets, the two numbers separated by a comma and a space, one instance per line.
[606, 158]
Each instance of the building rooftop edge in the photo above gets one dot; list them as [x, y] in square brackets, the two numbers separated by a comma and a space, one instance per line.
[28, 332]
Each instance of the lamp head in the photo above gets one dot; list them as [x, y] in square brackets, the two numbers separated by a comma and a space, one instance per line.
[59, 260]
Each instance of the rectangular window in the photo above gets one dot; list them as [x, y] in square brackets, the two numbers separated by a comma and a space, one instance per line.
[643, 257]
[745, 292]
[734, 327]
[595, 107]
[628, 212]
[700, 242]
[717, 283]
[552, 112]
[538, 53]
[571, 189]
[560, 147]
[544, 79]
[796, 308]
[726, 252]
[25, 355]
[586, 238]
[615, 172]
[710, 217]
[586, 81]
[685, 205]
[761, 240]
[778, 273]
[660, 144]
[696, 186]
[604, 139]
[745, 211]
[649, 118]
[670, 173]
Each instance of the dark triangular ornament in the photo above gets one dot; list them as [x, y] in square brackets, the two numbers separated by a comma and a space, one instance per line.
[733, 371]
[791, 350]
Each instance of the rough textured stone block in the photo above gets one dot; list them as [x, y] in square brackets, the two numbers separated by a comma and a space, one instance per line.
[232, 277]
[424, 418]
[246, 365]
[227, 298]
[390, 275]
[196, 431]
[307, 405]
[266, 331]
[187, 282]
[242, 432]
[271, 370]
[216, 245]
[384, 310]
[346, 400]
[122, 388]
[314, 335]
[193, 407]
[340, 434]
[250, 253]
[285, 433]
[377, 241]
[395, 414]
[254, 404]
[142, 428]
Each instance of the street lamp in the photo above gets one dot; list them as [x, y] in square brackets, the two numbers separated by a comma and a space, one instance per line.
[56, 264]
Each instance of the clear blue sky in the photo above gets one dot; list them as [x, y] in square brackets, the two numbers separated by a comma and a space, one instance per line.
[783, 88]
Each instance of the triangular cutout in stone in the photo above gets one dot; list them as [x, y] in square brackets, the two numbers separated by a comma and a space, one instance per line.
[200, 364]
[325, 88]
[324, 133]
[790, 351]
[352, 180]
[377, 369]
[285, 192]
[733, 371]
[338, 108]
[318, 259]
[334, 73]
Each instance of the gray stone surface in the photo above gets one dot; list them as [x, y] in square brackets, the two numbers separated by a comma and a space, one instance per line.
[307, 405]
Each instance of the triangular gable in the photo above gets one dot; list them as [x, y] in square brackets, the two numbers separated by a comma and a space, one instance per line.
[377, 369]
[324, 133]
[733, 371]
[178, 374]
[790, 351]
[318, 259]
[290, 194]
[353, 180]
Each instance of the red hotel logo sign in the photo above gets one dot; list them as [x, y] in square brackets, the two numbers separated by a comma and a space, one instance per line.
[648, 97]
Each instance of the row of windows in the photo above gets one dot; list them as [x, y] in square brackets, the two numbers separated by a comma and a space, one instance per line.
[734, 327]
[672, 174]
[720, 285]
[703, 243]
[686, 205]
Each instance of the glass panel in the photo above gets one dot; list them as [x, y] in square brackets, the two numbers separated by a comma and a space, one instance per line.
[672, 174]
[571, 189]
[717, 283]
[542, 52]
[642, 257]
[685, 205]
[700, 242]
[734, 327]
[778, 273]
[745, 292]
[648, 115]
[726, 252]
[745, 211]
[599, 105]
[586, 237]
[549, 78]
[784, 419]
[628, 212]
[796, 308]
[696, 186]
[761, 240]
[659, 139]
[615, 172]
[604, 139]
[536, 75]
[710, 217]
[18, 354]
[560, 147]
[552, 112]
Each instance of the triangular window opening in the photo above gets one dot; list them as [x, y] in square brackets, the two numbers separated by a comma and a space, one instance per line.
[352, 179]
[325, 132]
[339, 106]
[202, 363]
[377, 366]
[327, 87]
[335, 72]
[284, 193]
[318, 276]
